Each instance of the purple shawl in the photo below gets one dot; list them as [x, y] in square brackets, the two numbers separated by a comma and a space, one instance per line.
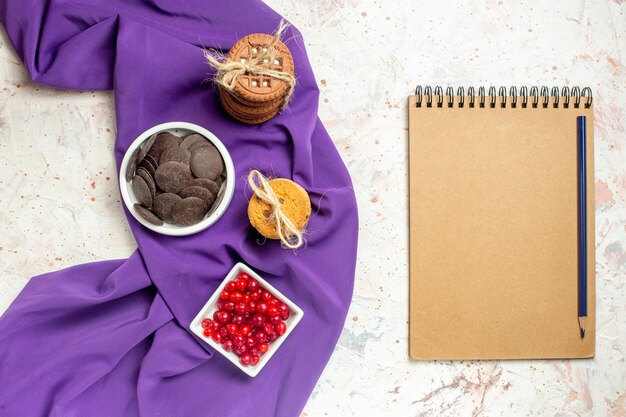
[111, 338]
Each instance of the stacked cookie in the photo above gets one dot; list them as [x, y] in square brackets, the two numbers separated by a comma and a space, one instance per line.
[176, 180]
[256, 99]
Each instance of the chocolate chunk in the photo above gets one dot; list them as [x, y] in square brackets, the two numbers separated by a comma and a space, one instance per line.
[208, 184]
[146, 147]
[175, 153]
[200, 192]
[189, 211]
[145, 164]
[197, 145]
[148, 215]
[206, 162]
[191, 139]
[163, 141]
[143, 173]
[151, 159]
[163, 205]
[142, 191]
[132, 165]
[173, 176]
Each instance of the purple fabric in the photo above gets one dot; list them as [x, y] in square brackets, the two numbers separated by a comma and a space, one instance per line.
[110, 338]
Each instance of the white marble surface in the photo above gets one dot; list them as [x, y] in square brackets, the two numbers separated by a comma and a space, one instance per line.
[59, 204]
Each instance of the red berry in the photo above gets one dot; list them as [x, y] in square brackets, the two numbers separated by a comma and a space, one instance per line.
[272, 337]
[269, 328]
[232, 328]
[237, 319]
[275, 320]
[223, 332]
[255, 360]
[244, 276]
[231, 286]
[228, 345]
[266, 296]
[215, 325]
[246, 299]
[252, 306]
[273, 302]
[207, 332]
[225, 295]
[240, 350]
[241, 308]
[220, 304]
[253, 351]
[283, 309]
[229, 306]
[253, 285]
[263, 347]
[217, 337]
[245, 359]
[206, 322]
[261, 308]
[236, 297]
[255, 295]
[250, 343]
[258, 320]
[241, 284]
[273, 311]
[239, 340]
[222, 316]
[259, 336]
[285, 316]
[245, 329]
[281, 328]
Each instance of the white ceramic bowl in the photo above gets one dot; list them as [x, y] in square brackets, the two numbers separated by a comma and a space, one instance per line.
[226, 192]
[211, 306]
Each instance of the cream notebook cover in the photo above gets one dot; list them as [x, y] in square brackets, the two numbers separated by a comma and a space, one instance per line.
[493, 224]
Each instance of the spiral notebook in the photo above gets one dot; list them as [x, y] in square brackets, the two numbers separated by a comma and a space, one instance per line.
[493, 223]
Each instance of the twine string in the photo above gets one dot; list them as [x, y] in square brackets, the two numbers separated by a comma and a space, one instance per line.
[290, 236]
[228, 71]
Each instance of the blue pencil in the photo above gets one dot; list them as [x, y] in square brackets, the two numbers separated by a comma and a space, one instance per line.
[581, 123]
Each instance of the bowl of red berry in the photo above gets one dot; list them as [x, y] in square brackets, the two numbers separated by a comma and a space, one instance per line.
[246, 319]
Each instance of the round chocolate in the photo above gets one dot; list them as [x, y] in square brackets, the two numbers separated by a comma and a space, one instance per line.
[143, 173]
[147, 166]
[163, 205]
[189, 211]
[163, 141]
[208, 184]
[206, 162]
[146, 147]
[173, 176]
[132, 165]
[175, 153]
[191, 139]
[142, 191]
[200, 192]
[151, 159]
[148, 215]
[197, 145]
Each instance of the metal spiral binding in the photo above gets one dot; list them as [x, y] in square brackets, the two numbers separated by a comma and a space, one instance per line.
[561, 97]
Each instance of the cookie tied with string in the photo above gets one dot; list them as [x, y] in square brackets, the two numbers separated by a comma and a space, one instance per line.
[279, 209]
[256, 79]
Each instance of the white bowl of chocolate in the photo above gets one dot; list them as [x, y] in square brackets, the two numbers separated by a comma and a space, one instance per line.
[177, 178]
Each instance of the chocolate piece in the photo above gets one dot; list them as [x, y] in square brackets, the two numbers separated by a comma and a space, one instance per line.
[132, 165]
[206, 162]
[197, 145]
[189, 211]
[173, 176]
[151, 159]
[145, 164]
[148, 215]
[163, 205]
[142, 191]
[146, 147]
[191, 139]
[208, 184]
[175, 153]
[200, 192]
[143, 173]
[163, 141]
